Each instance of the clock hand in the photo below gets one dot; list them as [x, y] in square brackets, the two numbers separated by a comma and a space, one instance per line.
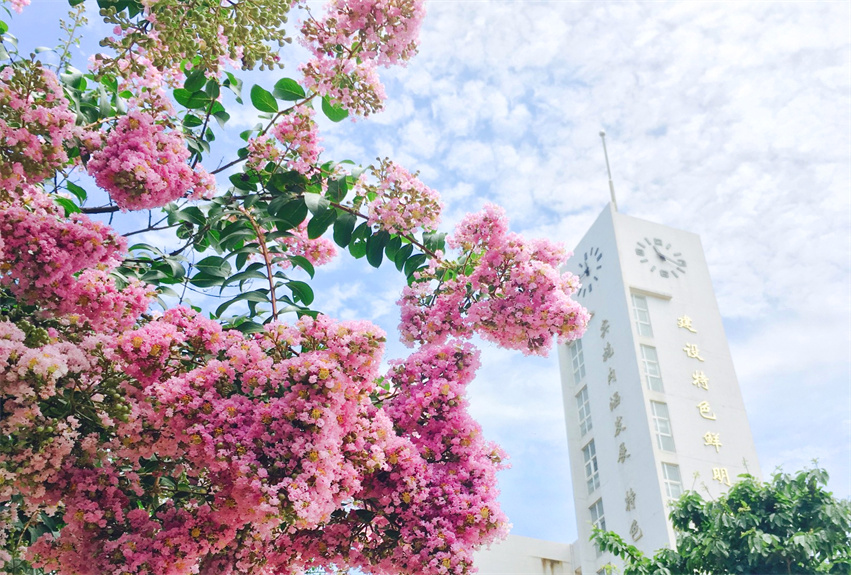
[658, 253]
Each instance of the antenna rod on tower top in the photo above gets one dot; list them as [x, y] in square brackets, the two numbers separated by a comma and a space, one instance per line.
[609, 170]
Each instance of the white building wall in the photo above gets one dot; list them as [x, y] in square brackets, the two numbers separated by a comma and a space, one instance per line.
[525, 556]
[609, 299]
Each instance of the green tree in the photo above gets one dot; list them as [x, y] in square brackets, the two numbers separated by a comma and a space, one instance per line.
[791, 524]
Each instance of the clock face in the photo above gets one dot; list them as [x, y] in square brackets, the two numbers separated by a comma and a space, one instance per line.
[662, 258]
[589, 269]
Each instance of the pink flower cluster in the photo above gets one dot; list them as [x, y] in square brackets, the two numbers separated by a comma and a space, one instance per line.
[319, 251]
[370, 33]
[270, 454]
[143, 166]
[19, 5]
[36, 125]
[297, 133]
[383, 31]
[400, 203]
[506, 289]
[61, 264]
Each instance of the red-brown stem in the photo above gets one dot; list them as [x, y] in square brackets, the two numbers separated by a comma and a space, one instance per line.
[262, 237]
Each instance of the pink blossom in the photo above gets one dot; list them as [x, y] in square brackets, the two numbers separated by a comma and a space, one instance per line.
[143, 166]
[506, 289]
[399, 203]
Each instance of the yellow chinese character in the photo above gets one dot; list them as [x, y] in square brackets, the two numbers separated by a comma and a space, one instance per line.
[721, 475]
[619, 426]
[612, 375]
[699, 379]
[614, 401]
[622, 453]
[705, 410]
[685, 323]
[635, 530]
[630, 499]
[608, 352]
[692, 351]
[604, 328]
[712, 440]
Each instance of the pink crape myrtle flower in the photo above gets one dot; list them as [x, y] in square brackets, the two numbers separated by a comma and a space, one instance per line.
[372, 33]
[43, 250]
[19, 5]
[36, 126]
[384, 31]
[293, 141]
[143, 166]
[319, 251]
[508, 291]
[400, 203]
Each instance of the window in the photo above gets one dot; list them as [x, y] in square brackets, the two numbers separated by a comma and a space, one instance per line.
[592, 473]
[673, 482]
[584, 411]
[578, 361]
[642, 315]
[662, 423]
[598, 519]
[650, 361]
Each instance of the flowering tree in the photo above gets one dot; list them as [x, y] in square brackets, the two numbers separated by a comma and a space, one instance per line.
[178, 442]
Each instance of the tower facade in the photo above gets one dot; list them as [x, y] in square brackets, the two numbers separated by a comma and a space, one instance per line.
[651, 399]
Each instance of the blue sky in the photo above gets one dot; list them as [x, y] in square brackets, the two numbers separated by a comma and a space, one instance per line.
[730, 120]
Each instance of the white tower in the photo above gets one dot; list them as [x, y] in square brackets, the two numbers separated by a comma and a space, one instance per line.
[651, 398]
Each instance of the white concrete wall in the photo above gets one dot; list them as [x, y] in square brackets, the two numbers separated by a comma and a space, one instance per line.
[525, 556]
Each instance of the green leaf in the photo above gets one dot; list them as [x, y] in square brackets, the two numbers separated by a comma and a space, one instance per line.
[197, 100]
[5, 27]
[243, 253]
[319, 223]
[234, 84]
[375, 248]
[365, 515]
[316, 203]
[214, 266]
[221, 118]
[249, 326]
[357, 246]
[72, 77]
[402, 256]
[414, 262]
[343, 227]
[289, 214]
[243, 181]
[104, 107]
[203, 280]
[256, 296]
[212, 89]
[67, 205]
[263, 100]
[251, 273]
[435, 241]
[301, 291]
[191, 214]
[303, 263]
[337, 190]
[392, 247]
[78, 192]
[280, 182]
[334, 113]
[288, 89]
[192, 121]
[195, 80]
